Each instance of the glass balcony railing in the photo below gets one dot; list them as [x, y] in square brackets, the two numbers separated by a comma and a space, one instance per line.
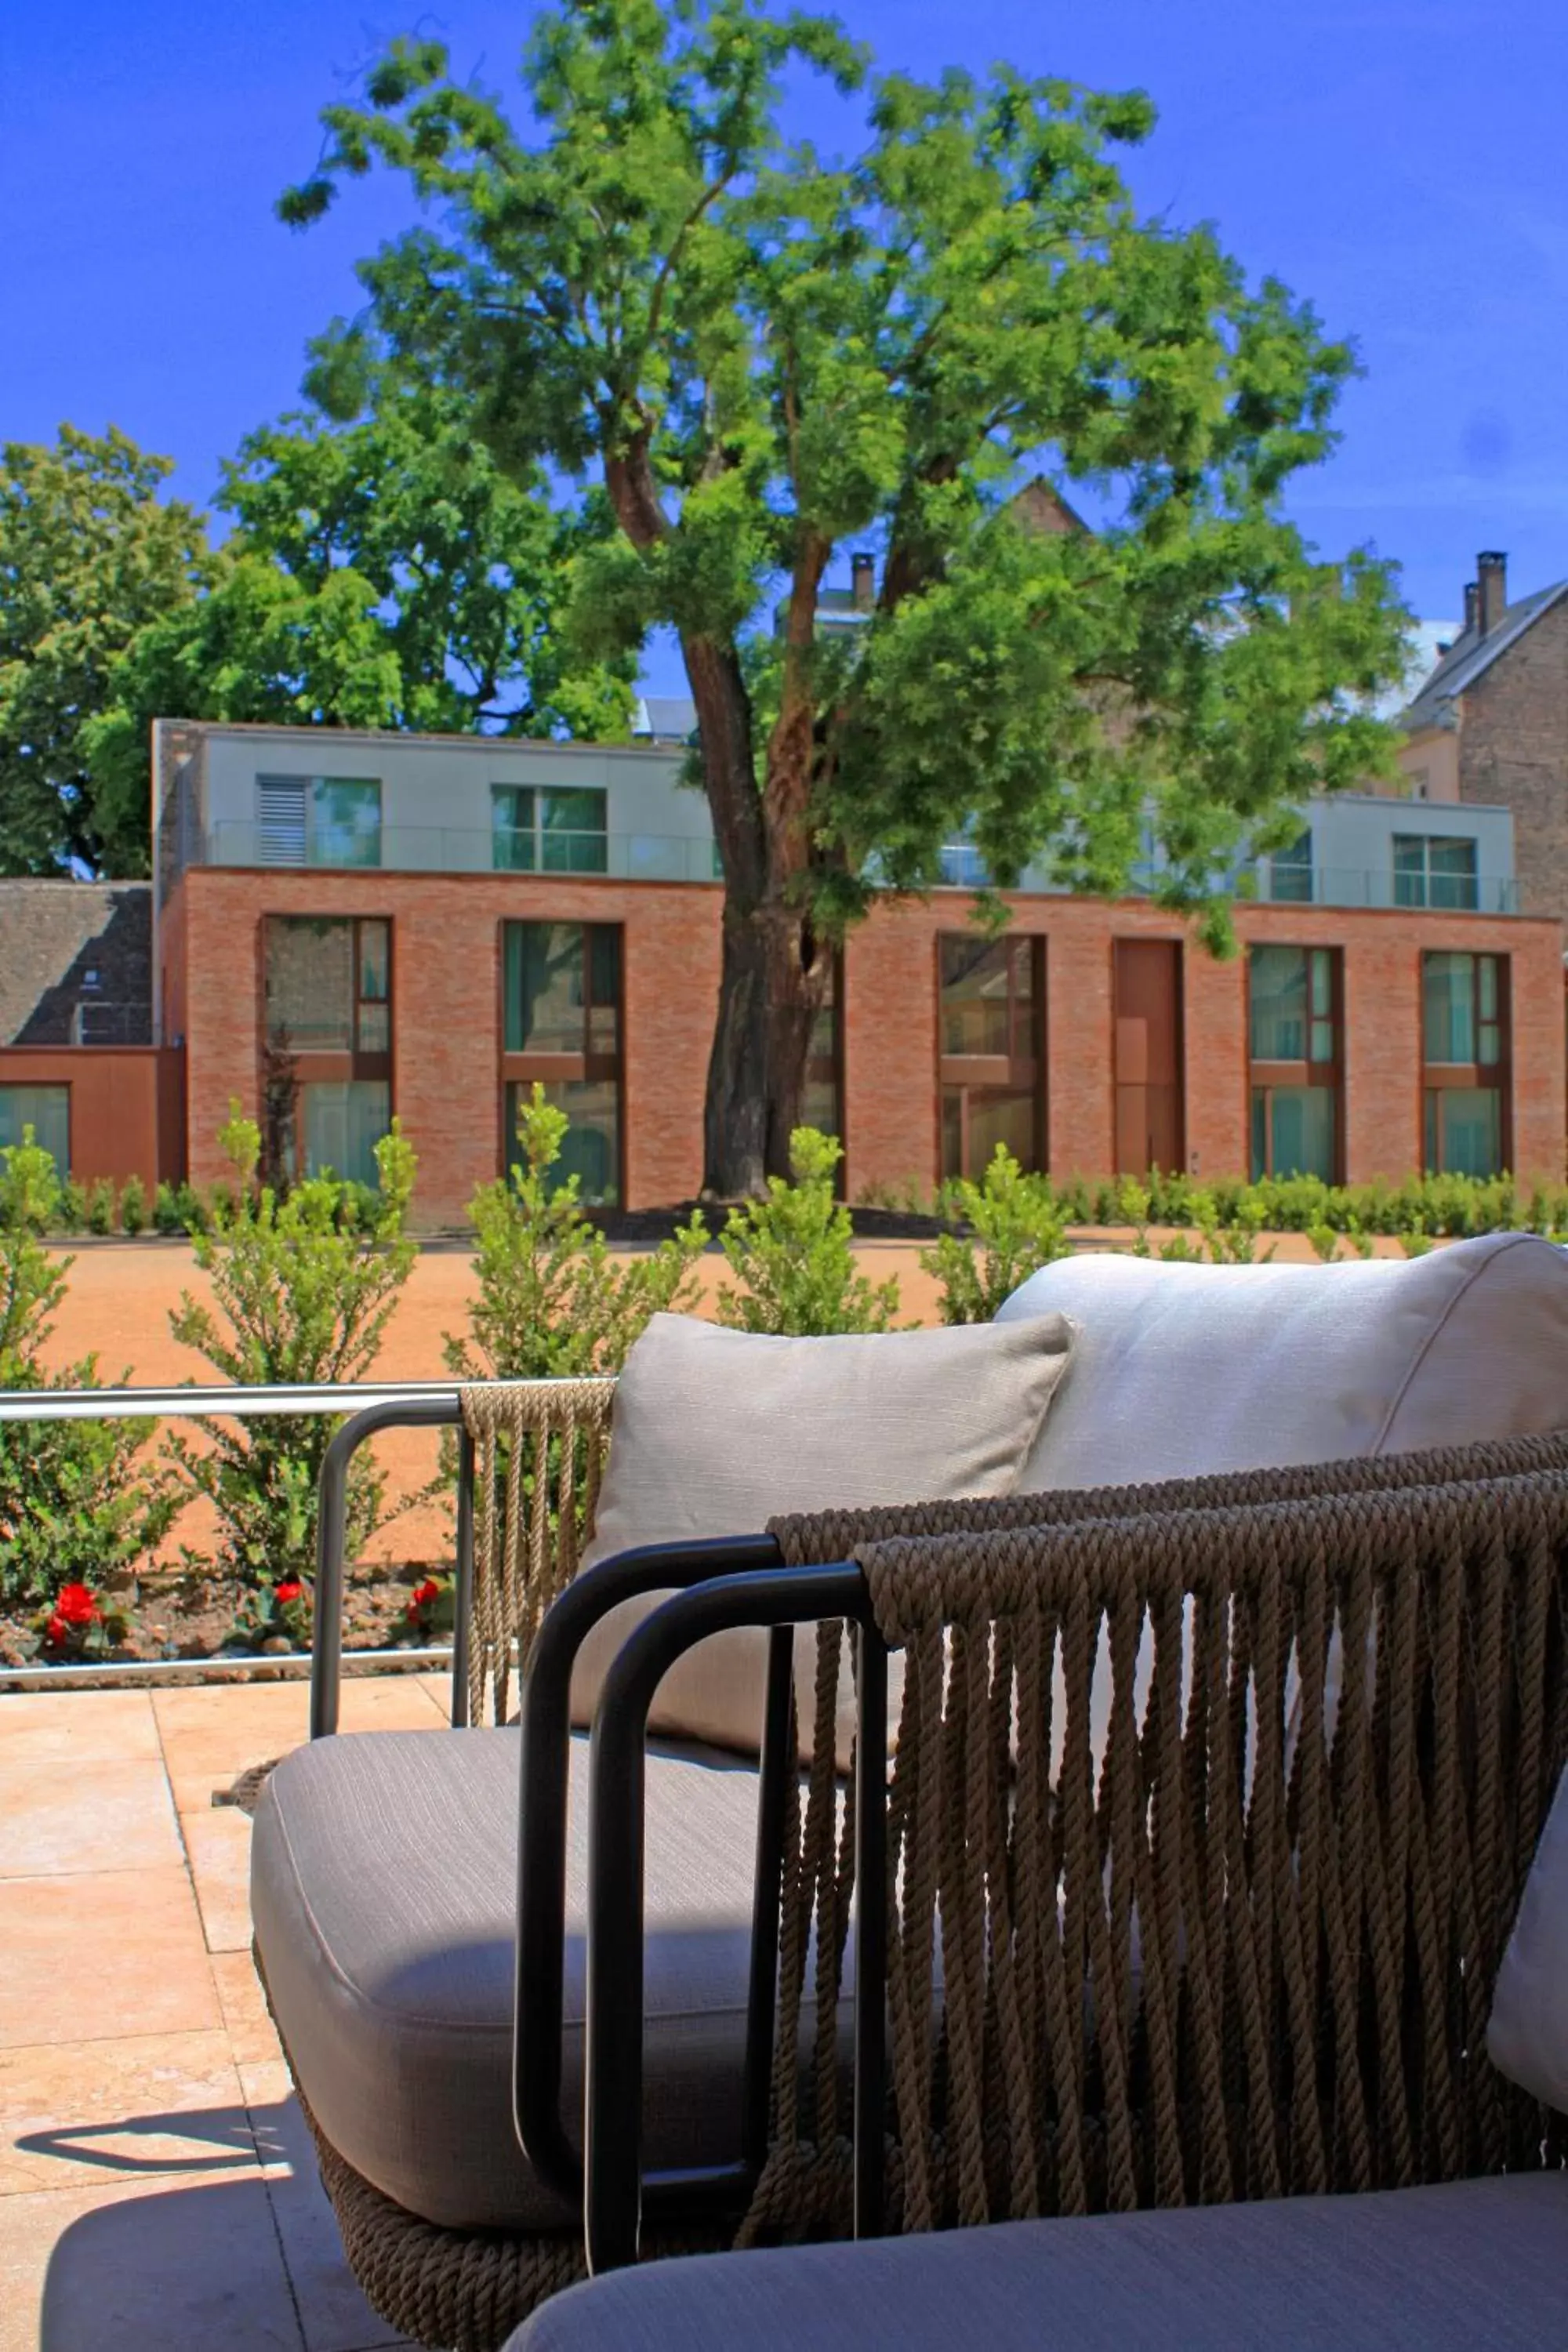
[679, 858]
[473, 849]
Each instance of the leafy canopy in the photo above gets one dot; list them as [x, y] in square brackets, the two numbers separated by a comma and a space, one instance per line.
[382, 574]
[89, 555]
[766, 354]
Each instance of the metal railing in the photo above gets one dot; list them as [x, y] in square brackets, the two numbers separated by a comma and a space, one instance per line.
[429, 1403]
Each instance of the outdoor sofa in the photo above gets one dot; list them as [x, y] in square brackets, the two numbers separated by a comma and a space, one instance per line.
[1172, 1907]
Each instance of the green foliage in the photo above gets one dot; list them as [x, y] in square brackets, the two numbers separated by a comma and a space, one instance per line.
[70, 1211]
[791, 1254]
[300, 1294]
[1008, 1225]
[384, 574]
[763, 357]
[274, 1612]
[100, 1207]
[552, 1300]
[76, 1505]
[134, 1206]
[89, 554]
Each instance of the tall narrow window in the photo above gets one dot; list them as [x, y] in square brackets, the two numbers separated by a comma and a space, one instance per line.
[326, 1059]
[318, 820]
[991, 1024]
[561, 1028]
[1436, 870]
[1464, 1052]
[548, 829]
[1295, 1026]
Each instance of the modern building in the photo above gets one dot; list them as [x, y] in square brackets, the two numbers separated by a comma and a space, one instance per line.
[344, 926]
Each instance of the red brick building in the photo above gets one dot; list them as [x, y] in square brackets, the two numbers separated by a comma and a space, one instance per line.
[439, 922]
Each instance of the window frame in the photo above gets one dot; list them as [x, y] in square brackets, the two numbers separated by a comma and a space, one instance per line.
[537, 833]
[1424, 877]
[973, 1075]
[48, 1086]
[1298, 860]
[1269, 1078]
[309, 786]
[1439, 1078]
[564, 1069]
[333, 1064]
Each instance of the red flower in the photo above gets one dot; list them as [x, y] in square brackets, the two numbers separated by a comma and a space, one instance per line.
[57, 1632]
[75, 1605]
[283, 1593]
[425, 1594]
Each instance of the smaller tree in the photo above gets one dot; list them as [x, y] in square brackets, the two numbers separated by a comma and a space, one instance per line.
[792, 1254]
[76, 1503]
[554, 1302]
[1009, 1225]
[89, 554]
[303, 1286]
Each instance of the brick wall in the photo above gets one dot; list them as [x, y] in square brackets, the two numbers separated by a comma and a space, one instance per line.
[1513, 752]
[446, 1024]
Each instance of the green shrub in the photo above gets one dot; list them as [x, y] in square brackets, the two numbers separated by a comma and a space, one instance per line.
[1009, 1225]
[792, 1254]
[134, 1206]
[70, 1207]
[76, 1505]
[298, 1296]
[100, 1207]
[166, 1217]
[553, 1301]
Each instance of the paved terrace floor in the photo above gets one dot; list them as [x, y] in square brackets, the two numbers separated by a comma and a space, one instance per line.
[158, 2191]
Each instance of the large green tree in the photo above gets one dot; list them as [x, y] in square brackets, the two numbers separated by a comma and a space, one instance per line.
[89, 555]
[764, 355]
[381, 574]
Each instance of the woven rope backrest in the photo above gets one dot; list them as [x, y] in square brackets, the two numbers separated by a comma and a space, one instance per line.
[1172, 1915]
[1204, 1964]
[811, 1537]
[539, 1456]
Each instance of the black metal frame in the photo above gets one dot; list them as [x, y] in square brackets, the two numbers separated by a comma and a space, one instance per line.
[615, 2191]
[332, 1544]
[717, 1585]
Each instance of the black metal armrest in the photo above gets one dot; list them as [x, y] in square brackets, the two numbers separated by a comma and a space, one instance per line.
[546, 1723]
[615, 2191]
[332, 1544]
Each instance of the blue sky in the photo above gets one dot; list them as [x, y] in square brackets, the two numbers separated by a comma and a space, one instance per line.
[1398, 162]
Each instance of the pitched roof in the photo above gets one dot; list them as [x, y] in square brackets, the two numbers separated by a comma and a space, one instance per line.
[1471, 656]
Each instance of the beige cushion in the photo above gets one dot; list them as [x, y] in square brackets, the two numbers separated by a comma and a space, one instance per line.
[1182, 1370]
[383, 1893]
[1528, 2034]
[716, 1432]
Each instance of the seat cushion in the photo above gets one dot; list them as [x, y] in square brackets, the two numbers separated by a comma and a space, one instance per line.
[1527, 2035]
[1183, 1370]
[383, 1874]
[718, 1431]
[1414, 2270]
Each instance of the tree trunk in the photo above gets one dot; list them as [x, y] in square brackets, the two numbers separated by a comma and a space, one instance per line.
[772, 972]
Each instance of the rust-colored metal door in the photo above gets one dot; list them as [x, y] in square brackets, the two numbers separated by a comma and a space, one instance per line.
[1151, 1111]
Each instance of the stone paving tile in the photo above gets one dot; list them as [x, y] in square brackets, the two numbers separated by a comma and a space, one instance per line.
[77, 1726]
[76, 1817]
[189, 2264]
[76, 2113]
[218, 1844]
[205, 1748]
[252, 2036]
[120, 1949]
[333, 2313]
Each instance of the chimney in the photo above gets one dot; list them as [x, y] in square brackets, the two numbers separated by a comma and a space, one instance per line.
[1472, 609]
[1491, 571]
[863, 581]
